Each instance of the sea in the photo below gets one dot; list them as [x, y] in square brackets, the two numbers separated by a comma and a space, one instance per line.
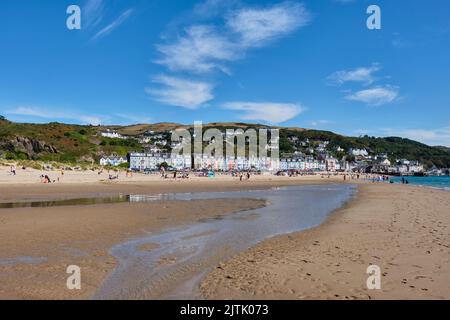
[440, 182]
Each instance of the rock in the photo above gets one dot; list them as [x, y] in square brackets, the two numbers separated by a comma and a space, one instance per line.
[30, 146]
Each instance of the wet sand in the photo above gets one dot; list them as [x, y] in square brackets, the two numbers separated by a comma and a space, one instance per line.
[405, 230]
[38, 244]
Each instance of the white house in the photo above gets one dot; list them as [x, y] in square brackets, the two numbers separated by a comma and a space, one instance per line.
[332, 164]
[359, 152]
[112, 161]
[111, 134]
[415, 167]
[152, 161]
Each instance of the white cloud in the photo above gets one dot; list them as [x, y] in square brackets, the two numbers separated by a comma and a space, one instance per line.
[376, 96]
[258, 26]
[363, 74]
[316, 123]
[181, 92]
[112, 26]
[201, 50]
[266, 111]
[54, 115]
[433, 137]
[204, 48]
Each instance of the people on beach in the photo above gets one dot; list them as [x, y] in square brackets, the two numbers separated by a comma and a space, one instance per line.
[113, 177]
[13, 170]
[162, 171]
[45, 179]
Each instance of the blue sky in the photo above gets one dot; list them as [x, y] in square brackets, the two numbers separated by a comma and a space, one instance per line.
[311, 64]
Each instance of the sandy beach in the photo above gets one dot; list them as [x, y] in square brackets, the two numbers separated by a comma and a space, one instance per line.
[405, 230]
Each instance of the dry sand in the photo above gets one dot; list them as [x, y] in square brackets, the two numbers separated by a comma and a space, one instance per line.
[405, 230]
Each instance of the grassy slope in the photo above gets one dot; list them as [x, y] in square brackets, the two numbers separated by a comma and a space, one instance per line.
[73, 142]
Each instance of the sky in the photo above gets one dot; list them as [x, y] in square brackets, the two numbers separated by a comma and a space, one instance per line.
[311, 64]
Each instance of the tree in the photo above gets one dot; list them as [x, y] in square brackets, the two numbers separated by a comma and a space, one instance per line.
[165, 165]
[2, 118]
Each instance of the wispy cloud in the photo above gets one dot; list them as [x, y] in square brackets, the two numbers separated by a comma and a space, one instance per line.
[316, 123]
[433, 137]
[203, 48]
[113, 25]
[362, 75]
[399, 42]
[271, 112]
[376, 96]
[256, 27]
[181, 92]
[44, 113]
[93, 11]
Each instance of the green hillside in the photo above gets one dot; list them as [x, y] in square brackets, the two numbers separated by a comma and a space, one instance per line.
[394, 147]
[59, 142]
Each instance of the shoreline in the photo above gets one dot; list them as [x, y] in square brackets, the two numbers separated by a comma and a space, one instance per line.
[28, 191]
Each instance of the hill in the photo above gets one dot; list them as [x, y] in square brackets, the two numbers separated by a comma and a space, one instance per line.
[77, 143]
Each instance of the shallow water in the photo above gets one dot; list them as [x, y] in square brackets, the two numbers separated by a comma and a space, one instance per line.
[170, 265]
[22, 260]
[84, 201]
[440, 182]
